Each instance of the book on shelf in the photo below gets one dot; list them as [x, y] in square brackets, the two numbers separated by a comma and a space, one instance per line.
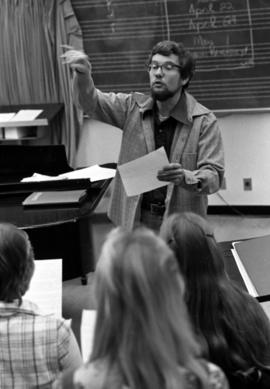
[252, 257]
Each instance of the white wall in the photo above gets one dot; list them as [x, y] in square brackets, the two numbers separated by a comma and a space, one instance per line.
[247, 155]
[99, 143]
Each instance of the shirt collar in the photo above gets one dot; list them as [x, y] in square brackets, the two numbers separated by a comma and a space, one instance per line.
[9, 309]
[193, 108]
[180, 110]
[179, 113]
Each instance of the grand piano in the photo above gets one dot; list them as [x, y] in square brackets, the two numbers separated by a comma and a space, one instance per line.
[56, 231]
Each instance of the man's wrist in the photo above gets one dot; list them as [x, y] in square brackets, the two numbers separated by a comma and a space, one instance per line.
[83, 70]
[79, 71]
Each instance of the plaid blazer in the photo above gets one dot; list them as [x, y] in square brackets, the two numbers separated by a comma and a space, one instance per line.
[197, 145]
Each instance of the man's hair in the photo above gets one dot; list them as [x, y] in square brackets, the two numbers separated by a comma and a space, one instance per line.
[219, 309]
[16, 262]
[142, 325]
[186, 59]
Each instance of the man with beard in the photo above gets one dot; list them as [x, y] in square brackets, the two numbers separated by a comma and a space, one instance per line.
[169, 117]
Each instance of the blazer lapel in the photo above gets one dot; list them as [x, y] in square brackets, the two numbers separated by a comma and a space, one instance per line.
[148, 133]
[147, 123]
[179, 142]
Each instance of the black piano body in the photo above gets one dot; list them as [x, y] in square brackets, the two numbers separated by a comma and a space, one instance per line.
[60, 231]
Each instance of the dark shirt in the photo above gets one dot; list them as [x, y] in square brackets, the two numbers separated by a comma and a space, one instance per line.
[163, 133]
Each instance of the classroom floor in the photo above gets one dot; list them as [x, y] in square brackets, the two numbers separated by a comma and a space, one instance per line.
[230, 227]
[226, 228]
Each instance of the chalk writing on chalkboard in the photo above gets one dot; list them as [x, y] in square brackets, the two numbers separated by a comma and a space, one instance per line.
[212, 27]
[230, 40]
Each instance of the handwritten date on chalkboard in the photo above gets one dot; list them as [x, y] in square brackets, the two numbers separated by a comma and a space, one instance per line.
[230, 40]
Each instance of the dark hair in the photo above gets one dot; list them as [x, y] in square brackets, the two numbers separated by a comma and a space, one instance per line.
[16, 262]
[186, 59]
[230, 322]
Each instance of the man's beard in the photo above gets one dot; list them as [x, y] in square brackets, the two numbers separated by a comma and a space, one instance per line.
[162, 95]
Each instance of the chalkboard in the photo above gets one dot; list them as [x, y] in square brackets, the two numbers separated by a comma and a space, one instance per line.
[230, 40]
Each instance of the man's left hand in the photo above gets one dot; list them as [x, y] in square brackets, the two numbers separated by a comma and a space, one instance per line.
[173, 173]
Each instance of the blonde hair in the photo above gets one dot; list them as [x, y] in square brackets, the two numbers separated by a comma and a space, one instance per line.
[142, 323]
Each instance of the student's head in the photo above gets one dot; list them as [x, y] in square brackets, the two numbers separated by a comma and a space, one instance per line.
[202, 265]
[137, 276]
[142, 321]
[219, 310]
[171, 67]
[16, 262]
[192, 240]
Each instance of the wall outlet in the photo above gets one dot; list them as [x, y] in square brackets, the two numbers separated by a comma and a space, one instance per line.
[247, 183]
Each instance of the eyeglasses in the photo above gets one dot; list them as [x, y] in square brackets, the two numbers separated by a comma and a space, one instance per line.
[165, 67]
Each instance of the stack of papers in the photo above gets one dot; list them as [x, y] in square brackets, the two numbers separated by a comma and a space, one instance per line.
[5, 117]
[87, 332]
[46, 286]
[22, 117]
[94, 173]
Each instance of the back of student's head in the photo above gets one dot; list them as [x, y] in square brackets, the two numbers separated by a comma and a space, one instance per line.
[197, 253]
[16, 262]
[142, 323]
[219, 309]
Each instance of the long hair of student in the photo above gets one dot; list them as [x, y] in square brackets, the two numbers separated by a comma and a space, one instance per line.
[230, 323]
[142, 324]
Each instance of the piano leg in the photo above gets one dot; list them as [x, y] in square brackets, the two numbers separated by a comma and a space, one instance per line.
[87, 255]
[84, 280]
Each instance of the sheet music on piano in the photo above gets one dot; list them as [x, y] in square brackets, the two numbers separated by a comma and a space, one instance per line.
[93, 173]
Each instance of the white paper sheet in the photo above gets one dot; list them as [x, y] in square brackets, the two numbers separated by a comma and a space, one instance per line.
[88, 323]
[140, 176]
[94, 173]
[5, 117]
[46, 286]
[37, 177]
[26, 115]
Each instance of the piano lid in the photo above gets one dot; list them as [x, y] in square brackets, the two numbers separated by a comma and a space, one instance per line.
[19, 161]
